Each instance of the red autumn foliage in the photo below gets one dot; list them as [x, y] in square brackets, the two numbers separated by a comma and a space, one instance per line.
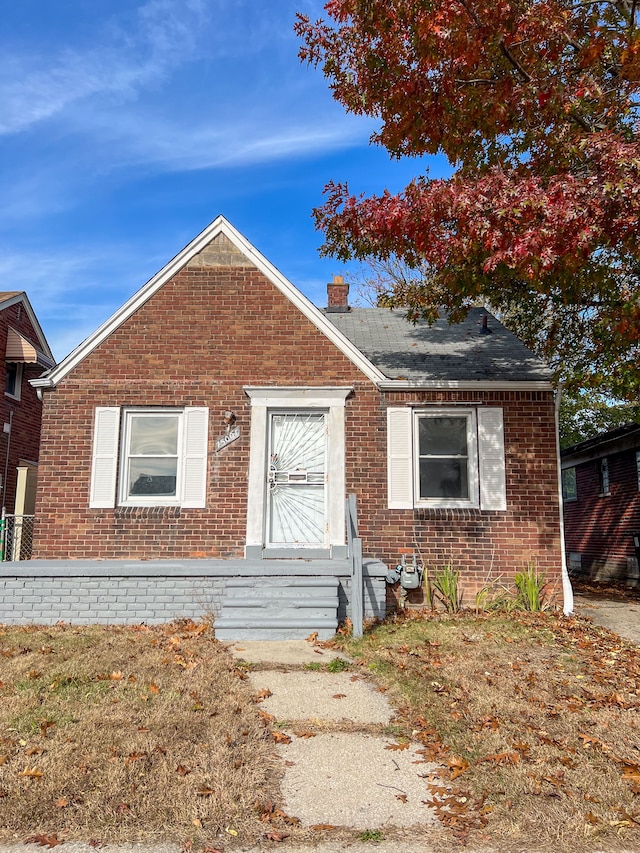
[535, 105]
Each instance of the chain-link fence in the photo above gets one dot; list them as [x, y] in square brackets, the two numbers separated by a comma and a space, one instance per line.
[16, 538]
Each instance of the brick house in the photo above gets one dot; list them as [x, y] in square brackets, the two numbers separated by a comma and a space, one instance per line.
[220, 418]
[26, 356]
[601, 492]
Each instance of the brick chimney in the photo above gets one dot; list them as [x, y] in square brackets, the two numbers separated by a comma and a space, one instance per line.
[337, 296]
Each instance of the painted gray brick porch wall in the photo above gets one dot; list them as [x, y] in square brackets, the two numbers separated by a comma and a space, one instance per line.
[131, 592]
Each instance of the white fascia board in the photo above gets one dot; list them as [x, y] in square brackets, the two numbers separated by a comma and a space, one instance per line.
[219, 226]
[463, 385]
[24, 299]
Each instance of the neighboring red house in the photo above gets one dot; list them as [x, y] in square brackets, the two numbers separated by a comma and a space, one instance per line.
[601, 492]
[26, 356]
[219, 415]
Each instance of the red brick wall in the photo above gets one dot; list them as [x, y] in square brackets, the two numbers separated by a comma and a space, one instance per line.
[27, 411]
[203, 336]
[600, 527]
[483, 545]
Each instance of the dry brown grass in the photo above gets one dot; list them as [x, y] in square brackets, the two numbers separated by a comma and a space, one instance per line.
[534, 717]
[126, 734]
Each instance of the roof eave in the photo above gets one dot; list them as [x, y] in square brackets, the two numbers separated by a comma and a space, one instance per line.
[21, 296]
[465, 385]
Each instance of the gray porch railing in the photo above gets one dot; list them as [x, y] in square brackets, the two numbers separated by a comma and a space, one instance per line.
[355, 555]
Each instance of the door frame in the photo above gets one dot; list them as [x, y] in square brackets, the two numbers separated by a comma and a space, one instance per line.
[304, 413]
[264, 399]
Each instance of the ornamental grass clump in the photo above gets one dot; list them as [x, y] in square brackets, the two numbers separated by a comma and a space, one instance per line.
[446, 588]
[530, 586]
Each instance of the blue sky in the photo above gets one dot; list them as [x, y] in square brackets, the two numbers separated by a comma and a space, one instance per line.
[127, 126]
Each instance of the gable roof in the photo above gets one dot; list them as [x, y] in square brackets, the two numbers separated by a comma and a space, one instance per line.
[423, 355]
[43, 354]
[219, 226]
[391, 352]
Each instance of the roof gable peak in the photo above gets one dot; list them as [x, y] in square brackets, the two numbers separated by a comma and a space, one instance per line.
[219, 244]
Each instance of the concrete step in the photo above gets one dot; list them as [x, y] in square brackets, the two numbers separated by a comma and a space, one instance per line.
[255, 608]
[236, 631]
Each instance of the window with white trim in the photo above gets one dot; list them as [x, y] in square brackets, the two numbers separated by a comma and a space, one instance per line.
[13, 379]
[569, 484]
[638, 467]
[604, 476]
[149, 457]
[445, 454]
[451, 458]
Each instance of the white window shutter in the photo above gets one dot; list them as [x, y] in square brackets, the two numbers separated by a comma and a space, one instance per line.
[399, 458]
[104, 463]
[194, 467]
[493, 487]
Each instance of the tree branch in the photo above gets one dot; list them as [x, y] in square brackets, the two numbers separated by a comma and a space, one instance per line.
[511, 58]
[489, 81]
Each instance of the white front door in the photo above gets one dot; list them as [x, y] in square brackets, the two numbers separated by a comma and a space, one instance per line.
[297, 480]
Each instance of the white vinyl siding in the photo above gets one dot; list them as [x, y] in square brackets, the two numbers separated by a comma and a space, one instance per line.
[477, 470]
[177, 468]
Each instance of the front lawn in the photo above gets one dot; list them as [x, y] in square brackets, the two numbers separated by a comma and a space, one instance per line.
[534, 717]
[129, 733]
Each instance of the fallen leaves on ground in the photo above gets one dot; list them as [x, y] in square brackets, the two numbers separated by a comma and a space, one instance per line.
[280, 737]
[44, 840]
[276, 836]
[128, 734]
[532, 721]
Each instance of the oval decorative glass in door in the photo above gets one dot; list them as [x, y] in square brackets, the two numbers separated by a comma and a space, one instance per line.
[297, 479]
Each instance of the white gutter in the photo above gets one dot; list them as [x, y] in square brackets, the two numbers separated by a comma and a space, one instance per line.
[464, 385]
[567, 590]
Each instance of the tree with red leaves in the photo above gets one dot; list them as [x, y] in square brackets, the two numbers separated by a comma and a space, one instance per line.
[535, 103]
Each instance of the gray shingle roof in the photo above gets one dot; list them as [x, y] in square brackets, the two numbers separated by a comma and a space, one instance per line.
[442, 352]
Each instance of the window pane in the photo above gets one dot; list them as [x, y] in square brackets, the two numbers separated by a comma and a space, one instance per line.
[11, 377]
[154, 436]
[444, 478]
[151, 476]
[443, 436]
[569, 488]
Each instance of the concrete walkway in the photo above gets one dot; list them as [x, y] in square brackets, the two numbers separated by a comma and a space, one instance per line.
[618, 615]
[342, 769]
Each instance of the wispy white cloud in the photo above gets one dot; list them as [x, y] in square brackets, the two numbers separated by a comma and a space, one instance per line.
[37, 85]
[74, 290]
[219, 142]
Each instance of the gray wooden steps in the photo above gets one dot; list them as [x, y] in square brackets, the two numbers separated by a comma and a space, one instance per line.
[278, 608]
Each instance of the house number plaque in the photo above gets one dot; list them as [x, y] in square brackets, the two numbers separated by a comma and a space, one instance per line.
[227, 438]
